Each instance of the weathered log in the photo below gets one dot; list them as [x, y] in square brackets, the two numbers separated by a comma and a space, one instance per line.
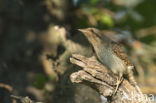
[103, 80]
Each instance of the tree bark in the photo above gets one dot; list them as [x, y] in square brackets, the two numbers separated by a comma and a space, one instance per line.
[100, 78]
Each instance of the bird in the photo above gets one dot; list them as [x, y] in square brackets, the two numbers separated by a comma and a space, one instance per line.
[111, 54]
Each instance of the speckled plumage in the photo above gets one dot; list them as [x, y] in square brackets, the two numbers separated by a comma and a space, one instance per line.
[110, 54]
[117, 49]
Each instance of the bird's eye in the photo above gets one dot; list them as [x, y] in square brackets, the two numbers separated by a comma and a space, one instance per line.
[92, 30]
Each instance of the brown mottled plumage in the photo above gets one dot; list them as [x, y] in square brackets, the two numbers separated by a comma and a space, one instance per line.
[110, 54]
[117, 49]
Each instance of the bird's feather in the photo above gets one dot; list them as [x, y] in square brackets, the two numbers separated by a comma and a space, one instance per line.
[117, 49]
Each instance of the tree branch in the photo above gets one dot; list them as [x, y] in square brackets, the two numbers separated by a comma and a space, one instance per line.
[100, 78]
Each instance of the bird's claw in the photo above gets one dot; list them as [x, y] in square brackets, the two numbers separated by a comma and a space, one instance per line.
[119, 80]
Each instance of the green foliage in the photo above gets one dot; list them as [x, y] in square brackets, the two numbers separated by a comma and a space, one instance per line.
[94, 1]
[106, 19]
[88, 2]
[82, 22]
[147, 10]
[40, 80]
[103, 19]
[148, 39]
[50, 77]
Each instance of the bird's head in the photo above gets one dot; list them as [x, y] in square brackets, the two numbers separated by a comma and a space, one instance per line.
[93, 35]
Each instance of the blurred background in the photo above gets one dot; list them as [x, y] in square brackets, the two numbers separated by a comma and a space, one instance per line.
[37, 37]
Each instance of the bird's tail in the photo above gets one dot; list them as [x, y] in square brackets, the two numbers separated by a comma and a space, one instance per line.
[133, 82]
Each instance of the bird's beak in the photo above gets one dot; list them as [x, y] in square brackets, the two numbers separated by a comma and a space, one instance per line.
[82, 30]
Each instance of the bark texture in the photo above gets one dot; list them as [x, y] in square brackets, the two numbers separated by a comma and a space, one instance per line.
[99, 77]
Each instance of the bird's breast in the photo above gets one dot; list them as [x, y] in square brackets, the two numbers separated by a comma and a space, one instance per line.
[108, 58]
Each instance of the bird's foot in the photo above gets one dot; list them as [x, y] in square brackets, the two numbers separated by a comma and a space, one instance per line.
[119, 80]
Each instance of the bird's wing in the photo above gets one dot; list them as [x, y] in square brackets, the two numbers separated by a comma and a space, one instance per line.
[117, 49]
